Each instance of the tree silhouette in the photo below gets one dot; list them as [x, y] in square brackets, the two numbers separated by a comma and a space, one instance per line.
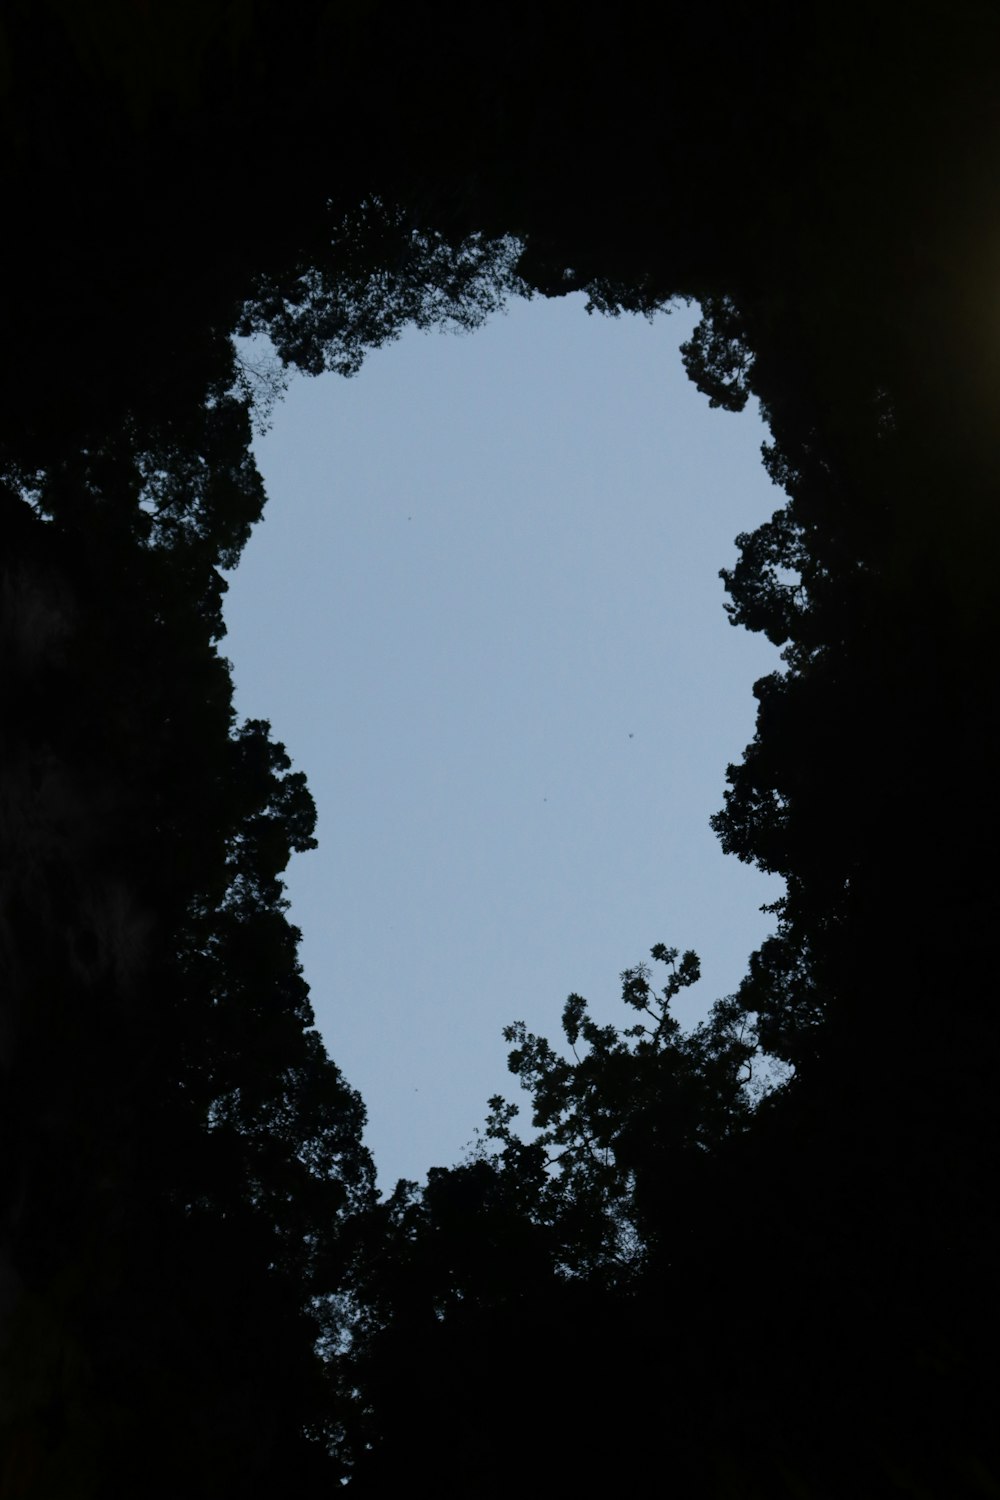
[199, 1290]
[623, 1126]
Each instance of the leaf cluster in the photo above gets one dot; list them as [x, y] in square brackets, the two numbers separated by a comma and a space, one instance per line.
[622, 1121]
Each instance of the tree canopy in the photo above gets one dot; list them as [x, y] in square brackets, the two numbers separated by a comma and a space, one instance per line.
[199, 1288]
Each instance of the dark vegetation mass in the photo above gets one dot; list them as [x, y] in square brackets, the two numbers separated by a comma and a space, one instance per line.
[689, 1281]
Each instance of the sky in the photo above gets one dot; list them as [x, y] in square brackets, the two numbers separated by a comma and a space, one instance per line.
[483, 614]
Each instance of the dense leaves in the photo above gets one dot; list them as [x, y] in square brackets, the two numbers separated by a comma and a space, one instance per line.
[620, 1127]
[383, 272]
[200, 1293]
[173, 1129]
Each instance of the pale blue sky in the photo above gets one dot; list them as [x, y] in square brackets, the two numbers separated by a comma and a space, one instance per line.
[483, 613]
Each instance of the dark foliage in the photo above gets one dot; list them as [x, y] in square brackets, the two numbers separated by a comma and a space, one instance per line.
[199, 1293]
